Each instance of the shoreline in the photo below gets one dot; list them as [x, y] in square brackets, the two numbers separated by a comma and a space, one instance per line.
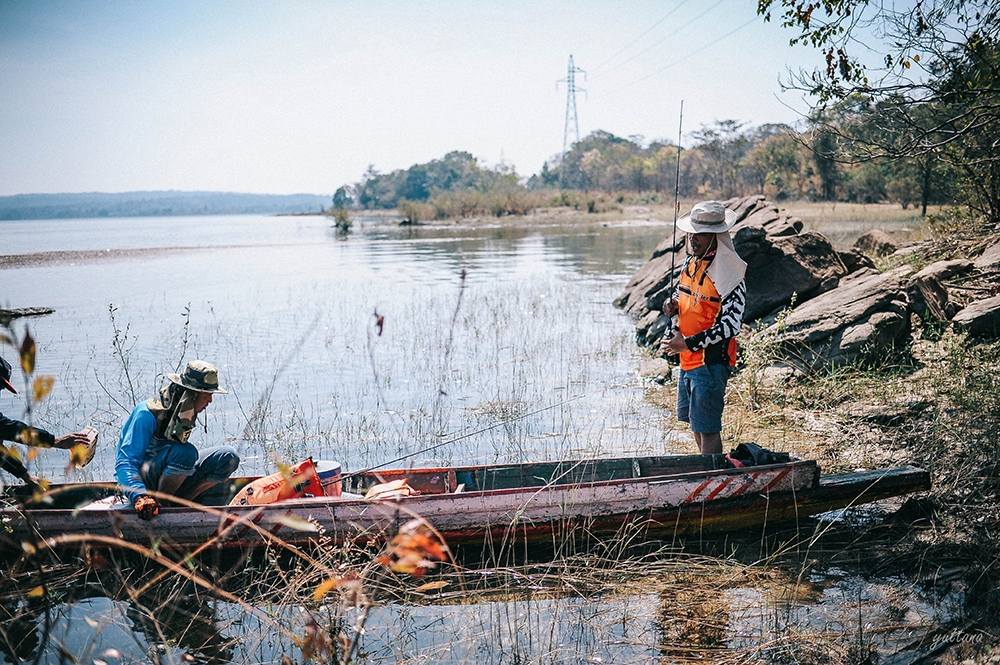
[823, 217]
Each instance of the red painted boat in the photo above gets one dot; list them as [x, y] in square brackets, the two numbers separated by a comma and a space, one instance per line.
[658, 496]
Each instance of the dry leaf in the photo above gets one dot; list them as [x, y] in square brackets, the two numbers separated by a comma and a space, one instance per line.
[27, 352]
[415, 550]
[297, 523]
[29, 436]
[78, 455]
[432, 586]
[325, 587]
[42, 386]
[314, 641]
[37, 592]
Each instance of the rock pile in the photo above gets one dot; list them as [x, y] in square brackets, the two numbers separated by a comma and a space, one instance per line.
[782, 261]
[844, 308]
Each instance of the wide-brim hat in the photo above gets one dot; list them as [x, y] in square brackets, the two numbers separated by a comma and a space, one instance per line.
[707, 217]
[5, 374]
[199, 376]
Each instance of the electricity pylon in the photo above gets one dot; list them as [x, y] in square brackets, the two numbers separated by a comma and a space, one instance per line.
[571, 117]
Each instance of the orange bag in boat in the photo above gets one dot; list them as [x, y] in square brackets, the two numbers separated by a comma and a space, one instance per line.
[300, 480]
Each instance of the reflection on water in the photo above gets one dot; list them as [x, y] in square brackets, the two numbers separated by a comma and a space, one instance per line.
[792, 610]
[285, 307]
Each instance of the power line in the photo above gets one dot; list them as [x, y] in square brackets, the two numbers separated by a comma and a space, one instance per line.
[684, 57]
[668, 36]
[646, 32]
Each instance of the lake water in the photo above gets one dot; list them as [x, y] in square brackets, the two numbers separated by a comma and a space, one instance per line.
[285, 306]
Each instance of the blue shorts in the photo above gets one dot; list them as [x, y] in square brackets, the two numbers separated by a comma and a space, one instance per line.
[701, 393]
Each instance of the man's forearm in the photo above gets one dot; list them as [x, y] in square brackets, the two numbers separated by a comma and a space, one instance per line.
[12, 465]
[15, 430]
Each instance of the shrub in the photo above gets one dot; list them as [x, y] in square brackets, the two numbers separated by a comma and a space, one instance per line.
[414, 212]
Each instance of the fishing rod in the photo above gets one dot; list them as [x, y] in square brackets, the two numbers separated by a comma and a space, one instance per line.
[464, 436]
[677, 205]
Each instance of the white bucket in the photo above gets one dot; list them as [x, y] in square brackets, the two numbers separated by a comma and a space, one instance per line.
[329, 477]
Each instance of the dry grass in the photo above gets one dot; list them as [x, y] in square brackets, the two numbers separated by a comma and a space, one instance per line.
[621, 601]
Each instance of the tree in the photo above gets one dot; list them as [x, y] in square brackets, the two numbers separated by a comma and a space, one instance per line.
[724, 144]
[343, 197]
[935, 95]
[773, 159]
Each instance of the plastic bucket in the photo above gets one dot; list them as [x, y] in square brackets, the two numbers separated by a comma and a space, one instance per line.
[329, 477]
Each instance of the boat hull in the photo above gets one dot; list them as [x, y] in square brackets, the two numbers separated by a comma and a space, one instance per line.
[668, 506]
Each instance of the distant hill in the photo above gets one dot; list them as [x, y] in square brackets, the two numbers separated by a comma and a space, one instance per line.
[145, 204]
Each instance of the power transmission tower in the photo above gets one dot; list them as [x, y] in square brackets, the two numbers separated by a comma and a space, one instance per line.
[571, 117]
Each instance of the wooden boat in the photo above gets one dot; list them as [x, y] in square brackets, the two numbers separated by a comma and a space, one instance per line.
[657, 496]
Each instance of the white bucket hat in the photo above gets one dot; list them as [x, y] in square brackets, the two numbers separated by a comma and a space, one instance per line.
[707, 217]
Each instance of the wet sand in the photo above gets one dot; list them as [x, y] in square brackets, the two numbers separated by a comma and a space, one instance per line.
[69, 257]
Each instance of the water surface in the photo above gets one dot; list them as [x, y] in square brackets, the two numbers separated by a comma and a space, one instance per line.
[286, 307]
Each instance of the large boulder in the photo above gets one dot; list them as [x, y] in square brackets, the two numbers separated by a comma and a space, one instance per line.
[929, 295]
[652, 278]
[941, 270]
[781, 262]
[867, 315]
[980, 319]
[779, 268]
[990, 259]
[855, 260]
[875, 243]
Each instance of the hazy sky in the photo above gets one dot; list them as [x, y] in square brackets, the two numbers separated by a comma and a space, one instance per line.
[301, 96]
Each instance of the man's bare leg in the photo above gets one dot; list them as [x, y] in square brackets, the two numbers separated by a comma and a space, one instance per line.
[710, 442]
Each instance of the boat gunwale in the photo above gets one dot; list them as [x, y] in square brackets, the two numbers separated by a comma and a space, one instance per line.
[324, 501]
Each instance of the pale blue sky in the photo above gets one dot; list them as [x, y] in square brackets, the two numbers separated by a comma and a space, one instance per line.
[302, 96]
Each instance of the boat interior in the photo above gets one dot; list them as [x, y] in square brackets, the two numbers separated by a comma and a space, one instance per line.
[442, 480]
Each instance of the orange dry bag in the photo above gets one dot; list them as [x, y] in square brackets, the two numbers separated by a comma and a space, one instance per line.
[300, 480]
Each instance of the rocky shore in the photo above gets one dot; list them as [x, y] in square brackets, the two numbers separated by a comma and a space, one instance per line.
[825, 306]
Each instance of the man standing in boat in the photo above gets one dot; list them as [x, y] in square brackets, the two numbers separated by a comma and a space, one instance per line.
[708, 302]
[154, 453]
[15, 430]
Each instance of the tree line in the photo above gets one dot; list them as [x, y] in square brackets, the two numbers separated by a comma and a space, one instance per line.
[918, 128]
[727, 158]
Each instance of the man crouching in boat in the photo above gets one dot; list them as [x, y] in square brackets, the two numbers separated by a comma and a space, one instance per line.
[709, 302]
[154, 453]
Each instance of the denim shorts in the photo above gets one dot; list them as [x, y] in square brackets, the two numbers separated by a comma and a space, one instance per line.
[173, 458]
[701, 393]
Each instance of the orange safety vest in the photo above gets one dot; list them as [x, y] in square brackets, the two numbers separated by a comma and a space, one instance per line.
[698, 308]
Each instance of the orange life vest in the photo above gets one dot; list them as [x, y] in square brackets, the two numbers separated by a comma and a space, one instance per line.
[698, 308]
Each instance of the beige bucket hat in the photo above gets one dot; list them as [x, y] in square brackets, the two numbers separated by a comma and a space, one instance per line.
[707, 217]
[200, 376]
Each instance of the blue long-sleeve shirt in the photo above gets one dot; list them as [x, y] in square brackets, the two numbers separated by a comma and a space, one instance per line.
[137, 433]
